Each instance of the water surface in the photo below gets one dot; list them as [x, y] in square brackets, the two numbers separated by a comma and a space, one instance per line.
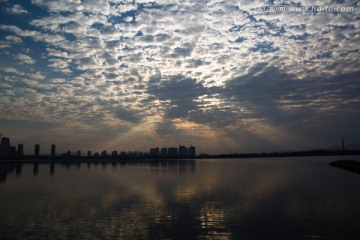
[272, 198]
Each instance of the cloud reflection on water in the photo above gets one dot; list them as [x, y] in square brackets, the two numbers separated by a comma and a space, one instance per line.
[222, 199]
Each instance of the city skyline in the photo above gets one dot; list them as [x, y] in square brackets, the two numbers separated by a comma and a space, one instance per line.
[7, 150]
[226, 76]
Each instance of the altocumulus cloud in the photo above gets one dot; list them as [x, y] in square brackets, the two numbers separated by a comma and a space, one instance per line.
[220, 74]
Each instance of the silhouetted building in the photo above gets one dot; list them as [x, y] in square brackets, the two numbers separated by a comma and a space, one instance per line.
[114, 154]
[89, 154]
[53, 150]
[20, 150]
[12, 151]
[157, 151]
[78, 153]
[172, 151]
[37, 150]
[164, 151]
[103, 153]
[152, 151]
[133, 154]
[5, 147]
[183, 151]
[192, 151]
[5, 142]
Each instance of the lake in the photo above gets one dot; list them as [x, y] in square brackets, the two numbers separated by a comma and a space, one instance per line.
[262, 198]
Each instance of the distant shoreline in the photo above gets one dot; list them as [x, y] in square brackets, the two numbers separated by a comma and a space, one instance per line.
[60, 159]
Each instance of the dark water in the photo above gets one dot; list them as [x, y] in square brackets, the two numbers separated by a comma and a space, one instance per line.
[277, 198]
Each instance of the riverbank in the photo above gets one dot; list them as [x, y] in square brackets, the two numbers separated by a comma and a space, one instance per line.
[349, 165]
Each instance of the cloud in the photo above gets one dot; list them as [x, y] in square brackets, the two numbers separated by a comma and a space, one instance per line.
[14, 39]
[25, 59]
[59, 65]
[18, 31]
[96, 6]
[38, 76]
[167, 129]
[222, 65]
[9, 70]
[17, 10]
[182, 51]
[283, 100]
[180, 92]
[57, 53]
[128, 115]
[59, 6]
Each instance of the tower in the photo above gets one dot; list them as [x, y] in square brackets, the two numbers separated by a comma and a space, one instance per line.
[53, 149]
[37, 150]
[20, 150]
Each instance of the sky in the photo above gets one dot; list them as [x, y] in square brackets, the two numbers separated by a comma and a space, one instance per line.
[225, 76]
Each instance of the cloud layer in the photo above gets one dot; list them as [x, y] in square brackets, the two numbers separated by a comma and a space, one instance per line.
[221, 75]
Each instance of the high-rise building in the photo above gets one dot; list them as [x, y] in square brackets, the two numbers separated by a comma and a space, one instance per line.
[12, 151]
[157, 151]
[5, 142]
[20, 150]
[78, 153]
[103, 153]
[152, 151]
[37, 150]
[114, 154]
[172, 151]
[192, 151]
[5, 149]
[53, 150]
[164, 152]
[89, 154]
[183, 151]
